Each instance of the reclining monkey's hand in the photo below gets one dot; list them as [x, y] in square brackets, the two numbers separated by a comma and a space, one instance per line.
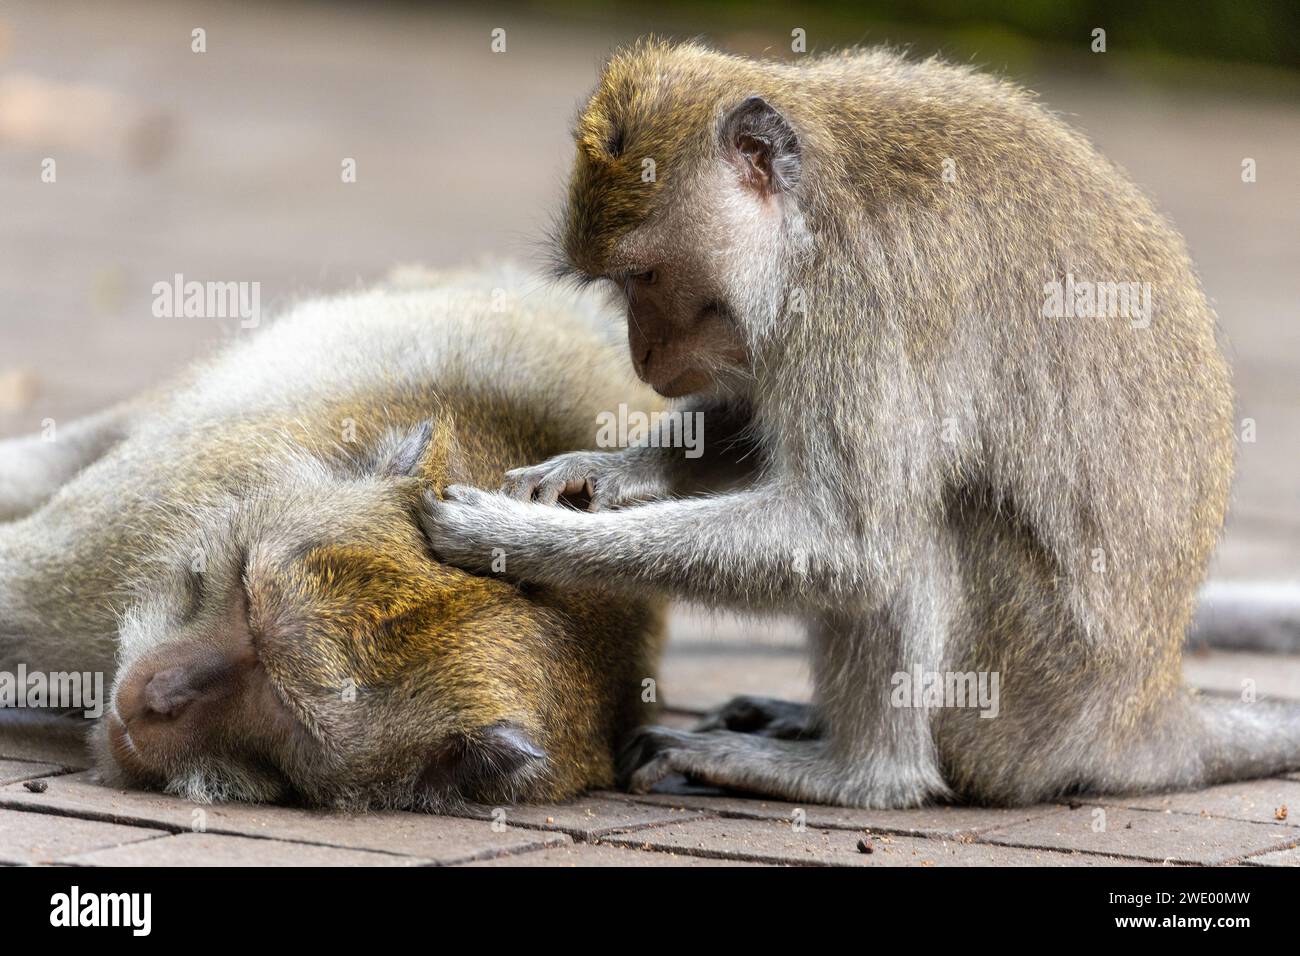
[609, 479]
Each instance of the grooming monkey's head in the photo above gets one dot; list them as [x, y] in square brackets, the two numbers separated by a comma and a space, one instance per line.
[683, 196]
[316, 652]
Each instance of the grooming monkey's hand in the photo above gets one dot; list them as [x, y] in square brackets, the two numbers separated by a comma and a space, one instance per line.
[609, 479]
[479, 530]
[466, 524]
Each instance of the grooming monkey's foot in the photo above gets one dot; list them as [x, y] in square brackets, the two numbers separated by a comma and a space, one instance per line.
[765, 716]
[654, 753]
[785, 769]
[794, 770]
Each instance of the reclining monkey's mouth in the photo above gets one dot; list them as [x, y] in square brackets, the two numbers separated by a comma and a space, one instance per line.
[209, 778]
[127, 756]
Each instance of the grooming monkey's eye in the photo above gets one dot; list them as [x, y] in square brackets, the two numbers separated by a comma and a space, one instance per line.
[644, 277]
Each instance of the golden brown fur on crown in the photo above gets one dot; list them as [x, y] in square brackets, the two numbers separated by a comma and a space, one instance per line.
[661, 100]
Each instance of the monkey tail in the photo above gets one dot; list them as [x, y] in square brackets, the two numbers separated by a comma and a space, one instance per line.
[1204, 738]
[1239, 740]
[1248, 615]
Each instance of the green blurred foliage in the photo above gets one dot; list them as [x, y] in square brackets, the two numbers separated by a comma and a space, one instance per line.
[1265, 32]
[1261, 31]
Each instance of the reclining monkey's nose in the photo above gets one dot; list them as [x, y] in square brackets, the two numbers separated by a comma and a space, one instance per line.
[169, 691]
[208, 673]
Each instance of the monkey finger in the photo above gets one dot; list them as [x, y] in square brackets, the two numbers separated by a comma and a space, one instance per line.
[462, 493]
[610, 495]
[519, 487]
[633, 773]
[431, 524]
[549, 491]
[649, 755]
[520, 483]
[607, 496]
[646, 776]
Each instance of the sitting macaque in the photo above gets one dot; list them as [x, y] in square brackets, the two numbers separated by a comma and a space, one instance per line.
[242, 551]
[988, 428]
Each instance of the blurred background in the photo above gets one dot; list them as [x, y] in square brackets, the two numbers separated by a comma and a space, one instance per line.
[225, 164]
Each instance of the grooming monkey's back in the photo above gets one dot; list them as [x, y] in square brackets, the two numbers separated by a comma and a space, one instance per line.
[1087, 472]
[1089, 462]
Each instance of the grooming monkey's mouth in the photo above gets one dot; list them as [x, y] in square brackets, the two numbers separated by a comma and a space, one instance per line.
[716, 311]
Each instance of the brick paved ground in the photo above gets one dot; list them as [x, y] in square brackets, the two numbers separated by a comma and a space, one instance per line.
[51, 811]
[226, 166]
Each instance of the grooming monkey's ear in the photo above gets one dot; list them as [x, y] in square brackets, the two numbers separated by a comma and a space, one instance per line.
[428, 452]
[763, 144]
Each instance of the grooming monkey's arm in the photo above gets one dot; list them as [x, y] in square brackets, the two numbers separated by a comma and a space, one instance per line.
[646, 473]
[756, 548]
[763, 548]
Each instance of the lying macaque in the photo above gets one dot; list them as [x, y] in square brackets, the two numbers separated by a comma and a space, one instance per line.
[241, 552]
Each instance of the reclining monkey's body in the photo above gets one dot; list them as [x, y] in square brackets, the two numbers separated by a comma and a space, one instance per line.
[242, 549]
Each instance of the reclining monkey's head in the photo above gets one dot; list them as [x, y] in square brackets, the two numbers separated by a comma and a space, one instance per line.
[309, 648]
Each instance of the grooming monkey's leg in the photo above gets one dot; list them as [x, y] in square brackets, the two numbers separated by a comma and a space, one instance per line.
[34, 467]
[871, 753]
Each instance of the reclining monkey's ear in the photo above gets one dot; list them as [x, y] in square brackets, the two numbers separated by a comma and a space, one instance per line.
[427, 452]
[494, 762]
